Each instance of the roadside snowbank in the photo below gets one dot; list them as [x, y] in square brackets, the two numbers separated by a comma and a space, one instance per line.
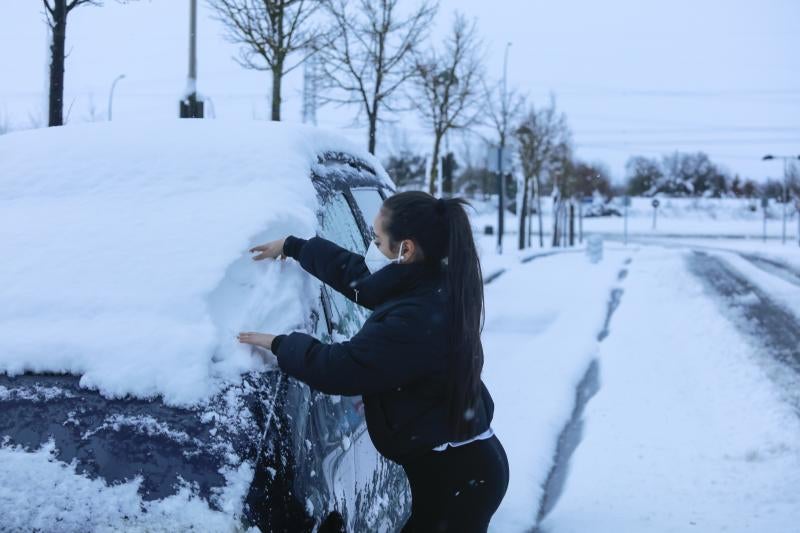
[125, 249]
[540, 335]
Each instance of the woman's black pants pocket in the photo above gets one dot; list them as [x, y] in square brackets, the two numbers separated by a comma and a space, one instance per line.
[457, 490]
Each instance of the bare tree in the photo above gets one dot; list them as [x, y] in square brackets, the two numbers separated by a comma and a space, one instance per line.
[447, 84]
[502, 109]
[539, 135]
[269, 31]
[56, 13]
[366, 57]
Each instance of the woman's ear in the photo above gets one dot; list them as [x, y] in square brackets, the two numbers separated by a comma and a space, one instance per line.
[409, 249]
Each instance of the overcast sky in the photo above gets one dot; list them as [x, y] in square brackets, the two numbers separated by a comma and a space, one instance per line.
[633, 76]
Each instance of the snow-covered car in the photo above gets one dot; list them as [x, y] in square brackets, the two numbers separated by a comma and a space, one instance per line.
[600, 209]
[126, 400]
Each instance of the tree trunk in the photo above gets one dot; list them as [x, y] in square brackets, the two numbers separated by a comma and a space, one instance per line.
[373, 128]
[523, 212]
[530, 217]
[556, 225]
[537, 189]
[571, 223]
[437, 142]
[277, 76]
[56, 97]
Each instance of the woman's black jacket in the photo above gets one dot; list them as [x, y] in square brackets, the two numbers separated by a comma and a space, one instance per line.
[397, 361]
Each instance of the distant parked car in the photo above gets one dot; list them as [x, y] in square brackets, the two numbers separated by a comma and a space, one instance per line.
[310, 453]
[598, 209]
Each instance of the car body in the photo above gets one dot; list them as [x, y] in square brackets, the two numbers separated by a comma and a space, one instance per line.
[300, 455]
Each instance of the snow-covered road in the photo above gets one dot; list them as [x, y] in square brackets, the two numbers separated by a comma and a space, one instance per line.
[694, 426]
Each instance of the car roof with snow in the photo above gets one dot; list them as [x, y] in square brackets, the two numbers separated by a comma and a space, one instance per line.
[125, 279]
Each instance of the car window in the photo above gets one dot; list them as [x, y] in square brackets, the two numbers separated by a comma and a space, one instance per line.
[339, 226]
[369, 201]
[339, 223]
[339, 417]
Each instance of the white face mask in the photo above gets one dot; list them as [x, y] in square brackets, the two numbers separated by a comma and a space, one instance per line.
[376, 260]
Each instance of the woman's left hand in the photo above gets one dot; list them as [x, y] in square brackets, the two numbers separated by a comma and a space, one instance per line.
[256, 339]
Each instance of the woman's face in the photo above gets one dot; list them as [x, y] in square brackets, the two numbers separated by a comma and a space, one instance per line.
[380, 237]
[382, 241]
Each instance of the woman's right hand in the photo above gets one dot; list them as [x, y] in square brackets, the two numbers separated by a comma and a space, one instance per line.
[271, 250]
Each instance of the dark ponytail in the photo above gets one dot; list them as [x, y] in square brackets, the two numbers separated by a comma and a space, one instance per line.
[442, 230]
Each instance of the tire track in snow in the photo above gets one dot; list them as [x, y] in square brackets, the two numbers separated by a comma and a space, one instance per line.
[774, 329]
[771, 266]
[572, 433]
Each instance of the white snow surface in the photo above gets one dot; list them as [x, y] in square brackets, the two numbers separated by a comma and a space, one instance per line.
[125, 249]
[687, 432]
[38, 491]
[540, 336]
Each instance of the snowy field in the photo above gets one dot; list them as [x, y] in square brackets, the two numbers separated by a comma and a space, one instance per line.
[715, 218]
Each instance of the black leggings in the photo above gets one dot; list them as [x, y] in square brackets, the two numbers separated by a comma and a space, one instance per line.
[458, 489]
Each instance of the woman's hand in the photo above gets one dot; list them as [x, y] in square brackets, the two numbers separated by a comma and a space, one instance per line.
[271, 250]
[256, 339]
[263, 340]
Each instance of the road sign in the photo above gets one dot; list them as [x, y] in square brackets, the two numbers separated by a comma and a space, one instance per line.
[655, 210]
[492, 159]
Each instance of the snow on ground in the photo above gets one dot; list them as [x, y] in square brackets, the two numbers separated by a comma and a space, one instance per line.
[698, 216]
[785, 293]
[540, 335]
[687, 217]
[788, 253]
[125, 249]
[686, 433]
[58, 494]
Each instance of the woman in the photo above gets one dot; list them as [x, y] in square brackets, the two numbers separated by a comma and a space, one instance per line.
[417, 359]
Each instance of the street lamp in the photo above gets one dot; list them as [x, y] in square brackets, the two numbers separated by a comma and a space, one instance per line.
[786, 159]
[501, 200]
[111, 93]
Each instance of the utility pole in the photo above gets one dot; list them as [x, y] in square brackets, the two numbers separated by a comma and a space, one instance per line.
[190, 106]
[502, 187]
[785, 199]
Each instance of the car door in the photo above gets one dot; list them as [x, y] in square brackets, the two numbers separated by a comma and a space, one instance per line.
[382, 493]
[337, 420]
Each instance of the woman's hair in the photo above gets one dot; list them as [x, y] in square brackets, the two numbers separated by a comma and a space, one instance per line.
[441, 228]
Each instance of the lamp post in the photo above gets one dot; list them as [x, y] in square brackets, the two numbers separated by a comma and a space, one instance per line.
[191, 106]
[784, 199]
[111, 94]
[501, 200]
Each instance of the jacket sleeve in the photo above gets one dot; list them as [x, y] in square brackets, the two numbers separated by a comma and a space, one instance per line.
[383, 355]
[330, 263]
